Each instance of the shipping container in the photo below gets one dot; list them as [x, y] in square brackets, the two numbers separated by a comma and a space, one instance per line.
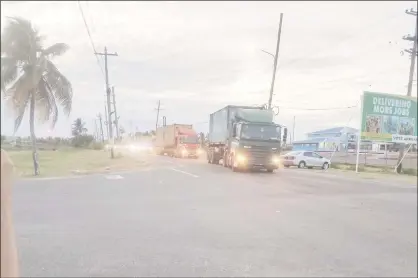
[166, 135]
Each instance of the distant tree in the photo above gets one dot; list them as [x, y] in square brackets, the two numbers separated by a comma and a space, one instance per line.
[122, 130]
[29, 78]
[78, 128]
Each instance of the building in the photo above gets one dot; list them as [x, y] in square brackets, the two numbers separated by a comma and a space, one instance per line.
[332, 139]
[342, 139]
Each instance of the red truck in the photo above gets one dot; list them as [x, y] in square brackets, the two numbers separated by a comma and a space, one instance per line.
[177, 140]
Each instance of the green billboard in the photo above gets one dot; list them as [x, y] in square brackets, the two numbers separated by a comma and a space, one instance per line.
[389, 118]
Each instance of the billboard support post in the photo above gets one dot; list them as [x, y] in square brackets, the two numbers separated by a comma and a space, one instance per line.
[397, 164]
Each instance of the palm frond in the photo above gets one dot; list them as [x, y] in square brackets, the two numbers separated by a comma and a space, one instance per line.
[19, 115]
[55, 49]
[60, 86]
[9, 71]
[20, 40]
[46, 105]
[19, 91]
[18, 107]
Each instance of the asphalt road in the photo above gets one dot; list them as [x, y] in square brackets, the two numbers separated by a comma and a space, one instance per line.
[187, 218]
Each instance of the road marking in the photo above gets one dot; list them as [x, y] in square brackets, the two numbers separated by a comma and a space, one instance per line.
[114, 177]
[183, 172]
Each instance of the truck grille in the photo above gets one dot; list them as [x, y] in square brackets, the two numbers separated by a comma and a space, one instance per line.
[260, 155]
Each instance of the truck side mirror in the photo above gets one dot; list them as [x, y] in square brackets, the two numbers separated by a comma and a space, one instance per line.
[284, 136]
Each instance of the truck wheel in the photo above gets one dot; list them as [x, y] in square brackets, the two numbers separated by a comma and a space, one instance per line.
[302, 164]
[224, 162]
[270, 170]
[233, 167]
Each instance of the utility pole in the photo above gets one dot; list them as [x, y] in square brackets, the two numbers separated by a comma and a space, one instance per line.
[101, 127]
[275, 61]
[105, 54]
[158, 115]
[116, 115]
[413, 53]
[96, 133]
[107, 123]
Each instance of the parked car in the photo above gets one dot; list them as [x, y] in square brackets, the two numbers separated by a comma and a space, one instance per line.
[304, 159]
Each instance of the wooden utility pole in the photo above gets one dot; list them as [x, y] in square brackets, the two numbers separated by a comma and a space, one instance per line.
[101, 127]
[275, 61]
[116, 115]
[413, 53]
[109, 109]
[107, 123]
[158, 116]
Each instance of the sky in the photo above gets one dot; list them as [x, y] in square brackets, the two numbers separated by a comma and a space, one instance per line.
[197, 57]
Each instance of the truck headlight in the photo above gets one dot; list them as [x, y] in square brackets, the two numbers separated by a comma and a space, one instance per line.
[241, 158]
[184, 152]
[199, 151]
[275, 160]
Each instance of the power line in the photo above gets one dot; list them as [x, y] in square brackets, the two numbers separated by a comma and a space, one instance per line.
[320, 109]
[90, 38]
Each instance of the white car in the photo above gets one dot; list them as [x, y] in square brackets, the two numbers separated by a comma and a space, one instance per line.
[304, 159]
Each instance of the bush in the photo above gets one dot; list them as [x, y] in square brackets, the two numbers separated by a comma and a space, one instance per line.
[412, 172]
[82, 141]
[96, 145]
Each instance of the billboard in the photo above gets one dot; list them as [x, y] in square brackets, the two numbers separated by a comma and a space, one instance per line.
[388, 118]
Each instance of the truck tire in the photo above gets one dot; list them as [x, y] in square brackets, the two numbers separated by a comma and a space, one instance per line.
[234, 169]
[270, 170]
[212, 158]
[225, 162]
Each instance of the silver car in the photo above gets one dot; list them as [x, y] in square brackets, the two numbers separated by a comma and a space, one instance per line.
[304, 159]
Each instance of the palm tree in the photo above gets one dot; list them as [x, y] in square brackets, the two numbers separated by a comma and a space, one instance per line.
[29, 78]
[78, 128]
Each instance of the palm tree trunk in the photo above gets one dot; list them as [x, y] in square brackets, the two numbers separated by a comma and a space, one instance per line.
[32, 134]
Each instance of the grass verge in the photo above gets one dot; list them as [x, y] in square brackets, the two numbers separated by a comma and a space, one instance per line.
[372, 169]
[72, 162]
[374, 172]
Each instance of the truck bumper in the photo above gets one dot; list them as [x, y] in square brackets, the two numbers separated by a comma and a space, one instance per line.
[258, 166]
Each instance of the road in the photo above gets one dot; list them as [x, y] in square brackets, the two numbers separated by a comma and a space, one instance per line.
[186, 218]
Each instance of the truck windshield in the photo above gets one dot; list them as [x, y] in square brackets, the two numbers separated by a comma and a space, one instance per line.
[263, 132]
[189, 140]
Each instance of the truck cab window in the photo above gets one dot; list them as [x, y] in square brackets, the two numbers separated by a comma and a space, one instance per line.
[189, 139]
[264, 132]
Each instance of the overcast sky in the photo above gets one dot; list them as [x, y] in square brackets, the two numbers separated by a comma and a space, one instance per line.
[197, 57]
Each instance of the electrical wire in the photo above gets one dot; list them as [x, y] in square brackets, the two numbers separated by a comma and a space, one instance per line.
[319, 109]
[90, 38]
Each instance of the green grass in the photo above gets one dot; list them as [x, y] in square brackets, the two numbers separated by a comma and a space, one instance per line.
[372, 169]
[71, 161]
